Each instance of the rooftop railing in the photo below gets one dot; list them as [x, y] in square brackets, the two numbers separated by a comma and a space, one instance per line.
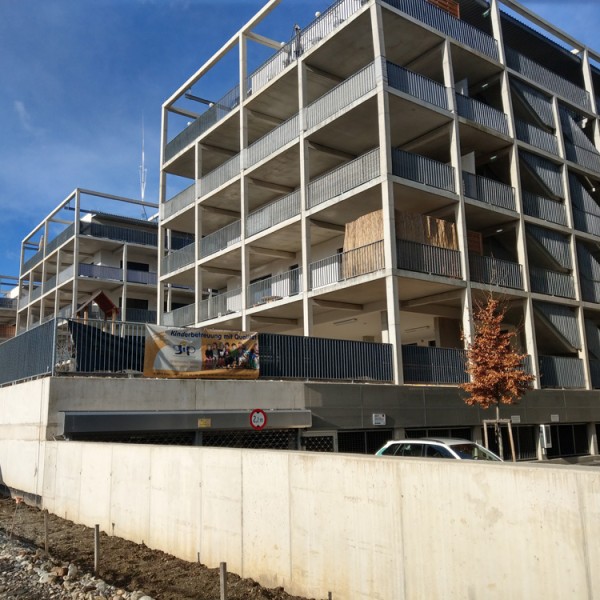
[424, 364]
[536, 137]
[561, 372]
[586, 222]
[273, 141]
[220, 305]
[178, 202]
[273, 213]
[180, 317]
[277, 287]
[586, 158]
[423, 170]
[416, 85]
[489, 191]
[120, 234]
[178, 259]
[481, 113]
[361, 170]
[544, 208]
[552, 283]
[425, 258]
[222, 174]
[220, 239]
[495, 271]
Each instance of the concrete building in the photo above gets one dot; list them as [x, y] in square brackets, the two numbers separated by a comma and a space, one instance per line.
[8, 306]
[382, 171]
[94, 255]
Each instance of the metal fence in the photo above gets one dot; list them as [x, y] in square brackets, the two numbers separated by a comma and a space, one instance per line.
[583, 157]
[178, 259]
[544, 208]
[220, 239]
[552, 283]
[423, 170]
[272, 141]
[221, 304]
[561, 372]
[273, 213]
[536, 137]
[178, 202]
[275, 288]
[424, 364]
[222, 174]
[417, 85]
[481, 113]
[424, 258]
[489, 191]
[495, 271]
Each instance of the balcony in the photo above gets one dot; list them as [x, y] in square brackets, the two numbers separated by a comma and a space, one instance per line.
[140, 315]
[481, 113]
[536, 137]
[361, 170]
[60, 239]
[180, 317]
[120, 234]
[33, 260]
[222, 174]
[341, 96]
[416, 85]
[586, 222]
[424, 258]
[495, 271]
[115, 274]
[273, 213]
[347, 265]
[583, 157]
[546, 78]
[424, 364]
[275, 288]
[595, 373]
[221, 304]
[551, 283]
[272, 142]
[423, 170]
[178, 202]
[178, 259]
[544, 208]
[220, 239]
[561, 372]
[439, 19]
[590, 290]
[489, 191]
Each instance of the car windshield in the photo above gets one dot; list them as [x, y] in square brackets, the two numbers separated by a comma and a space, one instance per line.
[470, 451]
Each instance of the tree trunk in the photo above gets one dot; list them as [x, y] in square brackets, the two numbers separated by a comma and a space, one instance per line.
[498, 431]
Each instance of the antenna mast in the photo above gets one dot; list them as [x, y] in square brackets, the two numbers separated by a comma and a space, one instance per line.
[143, 172]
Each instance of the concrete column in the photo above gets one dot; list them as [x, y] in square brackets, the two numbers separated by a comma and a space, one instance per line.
[587, 80]
[124, 288]
[198, 214]
[244, 200]
[77, 224]
[160, 288]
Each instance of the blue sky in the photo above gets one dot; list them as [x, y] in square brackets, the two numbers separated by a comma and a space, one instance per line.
[78, 76]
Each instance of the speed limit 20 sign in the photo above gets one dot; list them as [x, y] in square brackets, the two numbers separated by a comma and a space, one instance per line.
[258, 419]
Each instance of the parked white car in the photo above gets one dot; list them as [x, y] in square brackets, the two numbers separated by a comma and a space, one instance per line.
[437, 448]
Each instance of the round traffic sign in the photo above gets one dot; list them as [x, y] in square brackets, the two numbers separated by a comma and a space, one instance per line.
[258, 419]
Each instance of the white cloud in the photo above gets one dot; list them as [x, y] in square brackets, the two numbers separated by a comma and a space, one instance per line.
[24, 117]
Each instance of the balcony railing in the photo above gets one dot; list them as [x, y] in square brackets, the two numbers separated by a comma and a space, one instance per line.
[275, 288]
[220, 239]
[178, 202]
[273, 141]
[481, 113]
[489, 191]
[60, 239]
[416, 85]
[116, 274]
[66, 274]
[273, 213]
[496, 271]
[178, 259]
[220, 305]
[347, 265]
[451, 26]
[48, 285]
[530, 134]
[8, 303]
[180, 317]
[582, 156]
[222, 174]
[561, 372]
[586, 222]
[344, 94]
[552, 283]
[423, 170]
[545, 170]
[424, 364]
[120, 234]
[141, 277]
[544, 208]
[33, 260]
[424, 258]
[590, 290]
[546, 78]
[140, 315]
[343, 179]
[595, 373]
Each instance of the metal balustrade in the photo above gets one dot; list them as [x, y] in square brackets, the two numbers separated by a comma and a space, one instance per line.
[416, 85]
[545, 170]
[489, 191]
[140, 315]
[220, 305]
[178, 259]
[100, 272]
[552, 283]
[544, 208]
[586, 158]
[425, 258]
[8, 303]
[361, 170]
[586, 222]
[60, 239]
[203, 123]
[481, 113]
[590, 290]
[277, 287]
[220, 239]
[273, 213]
[347, 265]
[180, 317]
[595, 373]
[451, 26]
[35, 294]
[222, 174]
[120, 234]
[142, 277]
[33, 260]
[561, 372]
[273, 141]
[424, 364]
[341, 96]
[48, 285]
[536, 137]
[178, 202]
[495, 271]
[66, 274]
[546, 78]
[423, 170]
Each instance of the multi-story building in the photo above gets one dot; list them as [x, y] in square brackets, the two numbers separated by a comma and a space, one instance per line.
[8, 306]
[93, 256]
[383, 171]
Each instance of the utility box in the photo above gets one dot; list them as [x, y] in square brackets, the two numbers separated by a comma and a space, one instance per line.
[546, 436]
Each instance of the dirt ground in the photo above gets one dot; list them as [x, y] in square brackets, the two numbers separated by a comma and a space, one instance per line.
[127, 565]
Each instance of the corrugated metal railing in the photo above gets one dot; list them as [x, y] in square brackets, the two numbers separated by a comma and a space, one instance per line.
[424, 258]
[277, 287]
[590, 289]
[582, 156]
[489, 191]
[595, 373]
[221, 239]
[180, 317]
[530, 134]
[540, 103]
[481, 113]
[546, 78]
[442, 21]
[563, 319]
[417, 85]
[424, 364]
[221, 304]
[273, 213]
[561, 372]
[544, 208]
[496, 271]
[546, 171]
[273, 141]
[423, 170]
[344, 94]
[556, 244]
[552, 283]
[178, 202]
[222, 174]
[344, 178]
[178, 259]
[587, 222]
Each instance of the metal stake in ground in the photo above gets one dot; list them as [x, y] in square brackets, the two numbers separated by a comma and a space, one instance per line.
[96, 548]
[223, 580]
[46, 531]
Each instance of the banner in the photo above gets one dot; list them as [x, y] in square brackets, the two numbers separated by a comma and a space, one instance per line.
[200, 353]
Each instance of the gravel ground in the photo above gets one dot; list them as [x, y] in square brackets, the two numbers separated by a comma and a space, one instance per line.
[127, 571]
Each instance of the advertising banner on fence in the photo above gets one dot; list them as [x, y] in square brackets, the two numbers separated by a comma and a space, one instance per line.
[189, 352]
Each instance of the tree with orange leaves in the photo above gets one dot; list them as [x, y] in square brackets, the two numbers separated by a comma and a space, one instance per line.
[494, 366]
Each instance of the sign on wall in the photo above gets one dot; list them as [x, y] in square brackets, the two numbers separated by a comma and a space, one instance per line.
[189, 352]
